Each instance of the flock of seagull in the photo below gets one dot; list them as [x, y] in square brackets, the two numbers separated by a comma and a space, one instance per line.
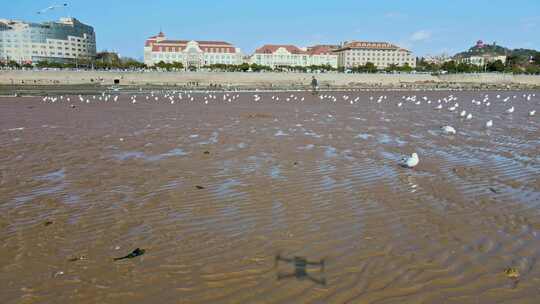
[411, 161]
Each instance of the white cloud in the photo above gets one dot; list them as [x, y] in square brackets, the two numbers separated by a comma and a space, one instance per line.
[421, 35]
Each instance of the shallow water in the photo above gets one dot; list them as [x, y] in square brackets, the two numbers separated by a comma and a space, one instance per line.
[223, 196]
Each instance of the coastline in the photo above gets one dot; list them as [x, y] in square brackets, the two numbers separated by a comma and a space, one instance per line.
[19, 81]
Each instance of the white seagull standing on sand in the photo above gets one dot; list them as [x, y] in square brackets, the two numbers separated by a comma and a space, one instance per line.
[489, 124]
[511, 110]
[448, 130]
[531, 113]
[410, 161]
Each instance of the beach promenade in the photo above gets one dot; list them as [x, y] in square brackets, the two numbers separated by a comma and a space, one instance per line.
[264, 80]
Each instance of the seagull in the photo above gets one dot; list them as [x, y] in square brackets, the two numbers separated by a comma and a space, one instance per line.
[469, 116]
[489, 124]
[448, 130]
[52, 7]
[511, 110]
[411, 161]
[532, 113]
[463, 113]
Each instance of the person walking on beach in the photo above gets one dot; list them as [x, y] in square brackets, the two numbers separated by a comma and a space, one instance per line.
[314, 85]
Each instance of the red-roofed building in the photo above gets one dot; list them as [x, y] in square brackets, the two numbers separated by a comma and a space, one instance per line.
[290, 55]
[190, 52]
[323, 55]
[382, 54]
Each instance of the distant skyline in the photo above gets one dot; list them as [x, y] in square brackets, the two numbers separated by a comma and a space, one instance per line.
[423, 26]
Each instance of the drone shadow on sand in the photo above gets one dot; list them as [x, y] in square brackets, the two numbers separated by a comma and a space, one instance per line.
[301, 269]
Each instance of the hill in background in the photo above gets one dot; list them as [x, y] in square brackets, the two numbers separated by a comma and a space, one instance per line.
[515, 56]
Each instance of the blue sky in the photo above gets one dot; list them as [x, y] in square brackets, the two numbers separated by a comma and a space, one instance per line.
[424, 26]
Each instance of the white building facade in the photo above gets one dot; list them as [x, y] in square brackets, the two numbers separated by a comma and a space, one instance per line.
[280, 55]
[381, 54]
[482, 60]
[323, 55]
[65, 41]
[273, 55]
[190, 53]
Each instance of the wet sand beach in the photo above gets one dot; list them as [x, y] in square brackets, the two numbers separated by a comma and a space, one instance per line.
[243, 199]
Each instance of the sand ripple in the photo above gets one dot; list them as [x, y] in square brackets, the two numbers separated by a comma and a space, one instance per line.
[245, 202]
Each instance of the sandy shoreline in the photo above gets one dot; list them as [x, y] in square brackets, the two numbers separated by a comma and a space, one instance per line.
[224, 192]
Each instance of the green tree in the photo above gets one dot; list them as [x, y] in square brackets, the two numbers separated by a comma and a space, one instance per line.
[164, 66]
[516, 69]
[449, 66]
[13, 64]
[406, 68]
[298, 68]
[496, 66]
[423, 66]
[536, 58]
[512, 60]
[370, 67]
[130, 63]
[177, 65]
[244, 67]
[255, 67]
[391, 68]
[463, 68]
[102, 65]
[532, 69]
[319, 68]
[330, 68]
[258, 68]
[42, 64]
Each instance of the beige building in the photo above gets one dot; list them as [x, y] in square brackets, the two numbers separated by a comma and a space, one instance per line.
[481, 60]
[190, 53]
[273, 55]
[437, 59]
[63, 41]
[382, 54]
[323, 55]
